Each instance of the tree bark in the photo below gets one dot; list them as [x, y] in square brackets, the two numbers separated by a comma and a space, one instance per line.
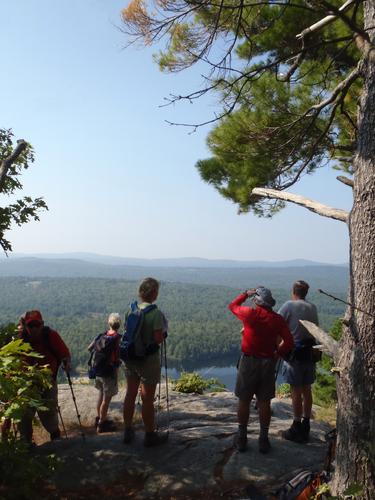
[355, 456]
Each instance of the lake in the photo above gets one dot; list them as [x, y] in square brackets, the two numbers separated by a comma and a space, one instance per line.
[226, 375]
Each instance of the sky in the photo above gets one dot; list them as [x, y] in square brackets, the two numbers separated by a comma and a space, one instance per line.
[117, 178]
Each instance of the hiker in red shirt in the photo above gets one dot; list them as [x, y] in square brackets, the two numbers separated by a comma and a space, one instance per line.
[261, 347]
[50, 345]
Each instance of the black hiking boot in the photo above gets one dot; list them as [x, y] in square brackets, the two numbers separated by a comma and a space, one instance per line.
[305, 430]
[128, 435]
[54, 436]
[240, 442]
[294, 433]
[106, 426]
[155, 438]
[264, 444]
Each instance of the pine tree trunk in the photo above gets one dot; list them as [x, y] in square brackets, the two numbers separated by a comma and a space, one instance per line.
[355, 455]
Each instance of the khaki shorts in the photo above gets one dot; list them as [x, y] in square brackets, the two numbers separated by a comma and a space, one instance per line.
[255, 376]
[108, 385]
[146, 371]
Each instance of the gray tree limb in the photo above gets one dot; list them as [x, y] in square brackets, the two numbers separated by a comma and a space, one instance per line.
[325, 20]
[345, 180]
[329, 345]
[7, 162]
[312, 205]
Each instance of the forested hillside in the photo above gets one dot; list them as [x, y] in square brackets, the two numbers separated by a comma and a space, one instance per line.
[202, 330]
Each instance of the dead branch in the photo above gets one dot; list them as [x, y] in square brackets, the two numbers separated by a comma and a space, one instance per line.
[312, 205]
[345, 180]
[8, 162]
[326, 20]
[330, 345]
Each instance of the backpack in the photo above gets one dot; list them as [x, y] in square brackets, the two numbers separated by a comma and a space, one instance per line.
[100, 364]
[132, 345]
[301, 487]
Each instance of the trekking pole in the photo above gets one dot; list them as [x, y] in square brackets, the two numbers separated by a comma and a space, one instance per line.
[158, 397]
[347, 303]
[278, 366]
[62, 421]
[166, 383]
[75, 405]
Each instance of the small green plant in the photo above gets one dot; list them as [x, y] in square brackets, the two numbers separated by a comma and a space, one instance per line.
[21, 385]
[283, 391]
[195, 383]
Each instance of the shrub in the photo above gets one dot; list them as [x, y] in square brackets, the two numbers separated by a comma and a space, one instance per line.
[195, 383]
[20, 388]
[283, 391]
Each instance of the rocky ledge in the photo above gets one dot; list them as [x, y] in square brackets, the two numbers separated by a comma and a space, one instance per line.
[199, 460]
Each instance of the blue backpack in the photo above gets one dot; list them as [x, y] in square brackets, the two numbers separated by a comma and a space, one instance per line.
[132, 345]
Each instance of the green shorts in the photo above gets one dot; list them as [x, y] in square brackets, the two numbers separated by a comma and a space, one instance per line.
[255, 376]
[146, 371]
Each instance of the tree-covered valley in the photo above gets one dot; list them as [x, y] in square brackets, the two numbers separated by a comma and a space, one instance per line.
[202, 331]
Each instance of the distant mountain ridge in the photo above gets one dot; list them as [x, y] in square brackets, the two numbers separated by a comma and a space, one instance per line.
[325, 276]
[181, 262]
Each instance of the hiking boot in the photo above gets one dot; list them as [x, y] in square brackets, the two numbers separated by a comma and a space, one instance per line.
[264, 444]
[240, 442]
[105, 426]
[155, 438]
[128, 435]
[305, 430]
[56, 435]
[294, 433]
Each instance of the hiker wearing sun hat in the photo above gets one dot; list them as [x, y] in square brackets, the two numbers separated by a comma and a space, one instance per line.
[53, 351]
[261, 346]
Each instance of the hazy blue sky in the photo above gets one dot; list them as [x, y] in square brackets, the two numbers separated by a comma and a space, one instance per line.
[117, 178]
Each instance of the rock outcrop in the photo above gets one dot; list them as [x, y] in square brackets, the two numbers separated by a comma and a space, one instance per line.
[199, 460]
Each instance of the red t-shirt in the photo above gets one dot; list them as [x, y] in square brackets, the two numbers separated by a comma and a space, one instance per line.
[51, 346]
[262, 329]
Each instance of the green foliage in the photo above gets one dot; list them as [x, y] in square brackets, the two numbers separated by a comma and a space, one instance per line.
[22, 473]
[324, 389]
[195, 383]
[202, 331]
[20, 383]
[277, 120]
[283, 391]
[22, 210]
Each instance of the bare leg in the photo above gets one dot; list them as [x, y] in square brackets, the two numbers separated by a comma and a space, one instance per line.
[307, 400]
[148, 412]
[264, 409]
[99, 402]
[243, 411]
[297, 401]
[129, 403]
[103, 410]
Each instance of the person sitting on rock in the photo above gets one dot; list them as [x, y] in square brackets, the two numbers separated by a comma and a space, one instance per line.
[107, 384]
[54, 351]
[145, 373]
[261, 346]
